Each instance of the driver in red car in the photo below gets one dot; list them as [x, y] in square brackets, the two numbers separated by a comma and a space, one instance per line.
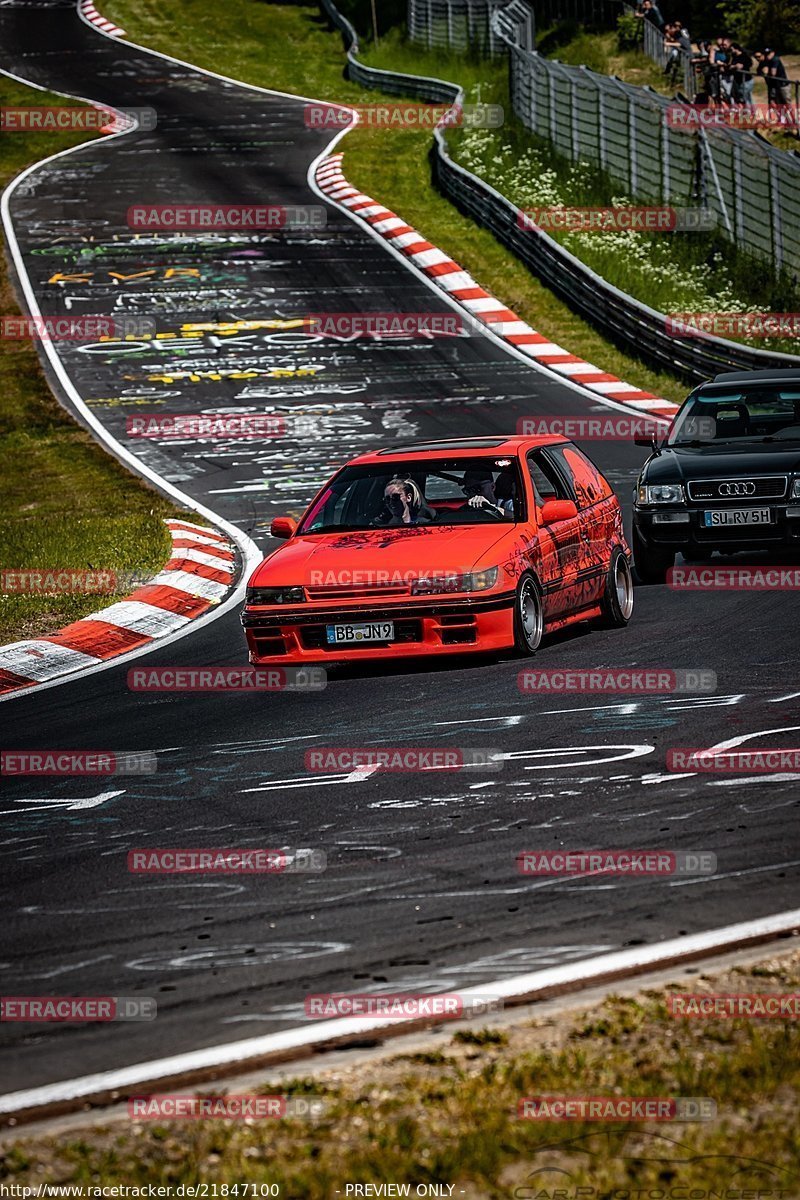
[495, 495]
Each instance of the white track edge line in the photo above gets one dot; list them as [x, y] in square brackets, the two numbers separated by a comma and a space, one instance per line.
[582, 973]
[251, 554]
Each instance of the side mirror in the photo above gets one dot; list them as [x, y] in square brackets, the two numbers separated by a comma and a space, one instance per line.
[650, 442]
[558, 510]
[282, 527]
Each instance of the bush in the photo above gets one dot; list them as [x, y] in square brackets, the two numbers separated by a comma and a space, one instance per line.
[629, 32]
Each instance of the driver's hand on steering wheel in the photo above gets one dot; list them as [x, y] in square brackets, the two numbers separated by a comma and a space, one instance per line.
[477, 501]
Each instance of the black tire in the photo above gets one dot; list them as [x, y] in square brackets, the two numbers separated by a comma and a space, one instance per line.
[528, 615]
[617, 600]
[651, 565]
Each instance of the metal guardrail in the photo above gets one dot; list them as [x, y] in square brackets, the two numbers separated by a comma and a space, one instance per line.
[624, 320]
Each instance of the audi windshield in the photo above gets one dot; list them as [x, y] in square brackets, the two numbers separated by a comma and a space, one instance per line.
[740, 414]
[457, 491]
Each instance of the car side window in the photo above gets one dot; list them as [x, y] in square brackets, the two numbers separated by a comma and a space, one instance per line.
[588, 484]
[547, 483]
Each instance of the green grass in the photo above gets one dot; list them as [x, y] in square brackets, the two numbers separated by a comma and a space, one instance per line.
[66, 503]
[449, 1115]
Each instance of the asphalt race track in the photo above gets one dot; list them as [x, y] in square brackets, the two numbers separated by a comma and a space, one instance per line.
[421, 890]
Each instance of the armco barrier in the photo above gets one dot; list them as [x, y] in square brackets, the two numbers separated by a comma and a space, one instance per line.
[632, 325]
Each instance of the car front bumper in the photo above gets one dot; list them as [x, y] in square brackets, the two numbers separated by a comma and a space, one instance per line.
[659, 529]
[429, 626]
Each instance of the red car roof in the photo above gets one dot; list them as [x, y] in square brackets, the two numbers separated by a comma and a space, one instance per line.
[477, 447]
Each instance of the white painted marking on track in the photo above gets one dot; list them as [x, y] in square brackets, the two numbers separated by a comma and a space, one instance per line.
[73, 805]
[639, 750]
[358, 775]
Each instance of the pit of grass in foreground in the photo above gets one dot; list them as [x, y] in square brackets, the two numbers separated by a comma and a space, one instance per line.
[447, 1115]
[66, 503]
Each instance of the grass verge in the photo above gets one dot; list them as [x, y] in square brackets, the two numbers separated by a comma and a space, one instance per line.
[66, 503]
[446, 1114]
[291, 48]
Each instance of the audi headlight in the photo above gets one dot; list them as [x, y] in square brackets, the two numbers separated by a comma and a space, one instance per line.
[661, 493]
[796, 490]
[284, 595]
[472, 581]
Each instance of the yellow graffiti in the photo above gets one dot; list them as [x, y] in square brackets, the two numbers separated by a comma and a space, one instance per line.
[150, 273]
[222, 328]
[231, 327]
[216, 376]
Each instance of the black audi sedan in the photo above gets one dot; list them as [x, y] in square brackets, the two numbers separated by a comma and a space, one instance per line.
[726, 477]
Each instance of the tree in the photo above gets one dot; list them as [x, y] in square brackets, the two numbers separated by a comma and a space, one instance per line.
[759, 23]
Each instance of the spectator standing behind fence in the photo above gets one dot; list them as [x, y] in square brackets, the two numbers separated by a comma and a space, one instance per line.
[773, 70]
[676, 42]
[650, 11]
[721, 58]
[743, 78]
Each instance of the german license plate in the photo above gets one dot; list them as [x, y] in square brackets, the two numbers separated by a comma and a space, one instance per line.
[372, 631]
[737, 516]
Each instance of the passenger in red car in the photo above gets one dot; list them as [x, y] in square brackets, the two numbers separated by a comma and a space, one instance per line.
[403, 504]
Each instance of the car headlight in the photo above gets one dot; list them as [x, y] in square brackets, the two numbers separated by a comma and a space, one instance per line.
[661, 493]
[284, 595]
[795, 494]
[473, 581]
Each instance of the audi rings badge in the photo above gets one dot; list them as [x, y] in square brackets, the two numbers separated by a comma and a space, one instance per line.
[746, 488]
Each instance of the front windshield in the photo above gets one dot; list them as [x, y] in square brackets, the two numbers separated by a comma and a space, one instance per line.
[397, 493]
[741, 414]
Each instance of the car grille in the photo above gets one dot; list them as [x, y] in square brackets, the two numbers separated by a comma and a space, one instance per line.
[765, 487]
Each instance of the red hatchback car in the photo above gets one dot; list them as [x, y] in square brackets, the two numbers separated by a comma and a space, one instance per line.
[439, 548]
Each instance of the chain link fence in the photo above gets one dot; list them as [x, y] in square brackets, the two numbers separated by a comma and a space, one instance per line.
[640, 139]
[626, 321]
[470, 25]
[637, 135]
